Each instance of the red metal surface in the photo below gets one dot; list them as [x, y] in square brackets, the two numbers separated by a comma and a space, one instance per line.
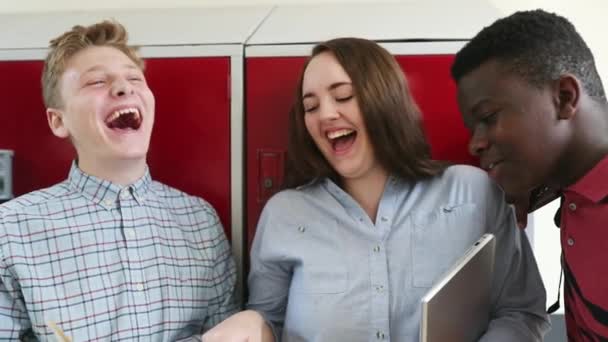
[435, 93]
[40, 158]
[269, 93]
[270, 86]
[190, 146]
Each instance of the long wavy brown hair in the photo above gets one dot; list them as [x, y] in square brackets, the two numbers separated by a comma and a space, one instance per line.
[389, 112]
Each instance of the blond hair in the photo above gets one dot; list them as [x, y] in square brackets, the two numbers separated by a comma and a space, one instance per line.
[106, 33]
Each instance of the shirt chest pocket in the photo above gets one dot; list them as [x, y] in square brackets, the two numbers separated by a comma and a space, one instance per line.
[440, 237]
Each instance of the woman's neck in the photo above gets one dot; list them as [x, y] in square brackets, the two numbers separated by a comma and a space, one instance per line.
[367, 190]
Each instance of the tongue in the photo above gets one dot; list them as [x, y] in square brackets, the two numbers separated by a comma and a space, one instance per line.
[344, 143]
[126, 121]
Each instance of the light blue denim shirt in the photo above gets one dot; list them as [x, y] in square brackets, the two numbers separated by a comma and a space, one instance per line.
[321, 270]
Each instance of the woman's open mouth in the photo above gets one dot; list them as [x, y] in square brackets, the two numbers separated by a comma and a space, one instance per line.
[341, 140]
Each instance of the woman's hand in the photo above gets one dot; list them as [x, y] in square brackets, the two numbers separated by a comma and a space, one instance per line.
[245, 326]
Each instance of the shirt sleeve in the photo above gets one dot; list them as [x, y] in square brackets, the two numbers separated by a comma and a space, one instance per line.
[14, 321]
[223, 279]
[518, 294]
[270, 274]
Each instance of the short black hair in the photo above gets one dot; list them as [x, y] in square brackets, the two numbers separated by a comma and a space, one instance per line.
[537, 45]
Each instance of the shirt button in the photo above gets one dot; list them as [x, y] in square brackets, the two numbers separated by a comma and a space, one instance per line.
[124, 194]
[131, 233]
[570, 242]
[380, 335]
[572, 206]
[140, 287]
[301, 229]
[377, 249]
[384, 218]
[108, 202]
[379, 288]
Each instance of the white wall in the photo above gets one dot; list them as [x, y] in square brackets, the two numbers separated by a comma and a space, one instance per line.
[546, 244]
[587, 15]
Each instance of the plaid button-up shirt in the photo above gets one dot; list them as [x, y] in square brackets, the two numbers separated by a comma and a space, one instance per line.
[106, 262]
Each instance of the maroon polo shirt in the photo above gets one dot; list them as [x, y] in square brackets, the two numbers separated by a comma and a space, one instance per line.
[584, 240]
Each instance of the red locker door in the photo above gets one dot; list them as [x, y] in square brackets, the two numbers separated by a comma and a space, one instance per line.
[270, 88]
[40, 158]
[269, 92]
[190, 147]
[435, 93]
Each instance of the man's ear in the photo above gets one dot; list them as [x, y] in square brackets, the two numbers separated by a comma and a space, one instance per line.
[569, 93]
[56, 122]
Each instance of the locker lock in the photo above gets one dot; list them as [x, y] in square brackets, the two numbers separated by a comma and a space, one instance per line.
[270, 172]
[268, 183]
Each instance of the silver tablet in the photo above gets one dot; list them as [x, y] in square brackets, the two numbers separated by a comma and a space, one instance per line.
[457, 307]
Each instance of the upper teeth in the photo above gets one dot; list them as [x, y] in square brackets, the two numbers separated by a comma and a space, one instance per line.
[124, 111]
[339, 133]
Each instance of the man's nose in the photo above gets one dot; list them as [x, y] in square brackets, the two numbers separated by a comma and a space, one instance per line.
[479, 141]
[121, 87]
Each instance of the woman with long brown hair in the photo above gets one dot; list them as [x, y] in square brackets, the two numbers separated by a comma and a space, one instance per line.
[369, 221]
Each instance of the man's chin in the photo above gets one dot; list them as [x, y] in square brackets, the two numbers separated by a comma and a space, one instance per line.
[130, 152]
[513, 197]
[132, 157]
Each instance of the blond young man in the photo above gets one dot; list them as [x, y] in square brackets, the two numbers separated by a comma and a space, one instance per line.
[109, 254]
